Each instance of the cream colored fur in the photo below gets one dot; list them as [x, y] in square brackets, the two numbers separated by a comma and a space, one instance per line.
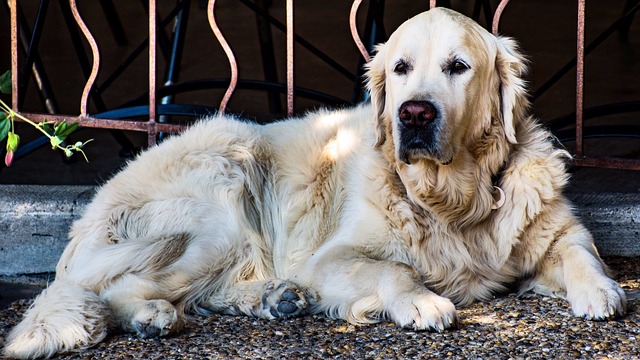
[319, 214]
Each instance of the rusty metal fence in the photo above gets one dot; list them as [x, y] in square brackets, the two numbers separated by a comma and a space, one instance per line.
[152, 126]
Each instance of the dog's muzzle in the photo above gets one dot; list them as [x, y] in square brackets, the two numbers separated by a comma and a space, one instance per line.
[418, 129]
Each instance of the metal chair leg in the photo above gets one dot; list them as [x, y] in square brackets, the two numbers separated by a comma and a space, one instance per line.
[172, 72]
[268, 56]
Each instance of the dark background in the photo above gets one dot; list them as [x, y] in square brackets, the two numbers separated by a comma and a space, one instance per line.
[545, 29]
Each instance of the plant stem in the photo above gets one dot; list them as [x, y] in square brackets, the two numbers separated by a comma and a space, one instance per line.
[13, 114]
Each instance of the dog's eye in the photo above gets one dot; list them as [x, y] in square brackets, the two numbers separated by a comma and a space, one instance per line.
[401, 68]
[457, 67]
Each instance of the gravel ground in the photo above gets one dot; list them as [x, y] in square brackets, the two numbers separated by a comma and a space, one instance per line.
[508, 327]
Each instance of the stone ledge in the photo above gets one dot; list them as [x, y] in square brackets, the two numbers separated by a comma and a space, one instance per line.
[35, 220]
[34, 223]
[613, 219]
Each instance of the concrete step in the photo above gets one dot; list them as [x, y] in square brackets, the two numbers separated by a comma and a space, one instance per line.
[34, 223]
[35, 220]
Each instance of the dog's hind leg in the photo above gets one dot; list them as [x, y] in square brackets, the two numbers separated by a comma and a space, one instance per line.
[266, 299]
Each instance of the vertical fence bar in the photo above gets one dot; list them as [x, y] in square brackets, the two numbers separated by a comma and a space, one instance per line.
[580, 79]
[233, 81]
[14, 54]
[84, 101]
[354, 30]
[496, 16]
[151, 133]
[290, 62]
[152, 60]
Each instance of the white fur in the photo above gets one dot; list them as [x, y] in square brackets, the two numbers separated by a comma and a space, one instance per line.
[319, 214]
[72, 315]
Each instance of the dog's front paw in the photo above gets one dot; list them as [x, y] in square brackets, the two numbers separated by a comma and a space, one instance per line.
[599, 300]
[423, 311]
[154, 318]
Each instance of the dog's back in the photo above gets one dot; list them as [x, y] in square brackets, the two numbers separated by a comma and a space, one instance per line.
[188, 220]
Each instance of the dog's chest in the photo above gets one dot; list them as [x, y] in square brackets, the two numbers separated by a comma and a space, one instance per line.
[459, 263]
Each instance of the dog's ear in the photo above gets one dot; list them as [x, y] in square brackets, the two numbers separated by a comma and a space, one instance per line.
[376, 77]
[511, 66]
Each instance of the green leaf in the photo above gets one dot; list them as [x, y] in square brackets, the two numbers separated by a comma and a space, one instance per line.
[5, 82]
[59, 128]
[5, 126]
[13, 141]
[63, 129]
[71, 128]
[47, 127]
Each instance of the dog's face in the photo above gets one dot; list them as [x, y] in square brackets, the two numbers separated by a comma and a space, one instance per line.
[438, 81]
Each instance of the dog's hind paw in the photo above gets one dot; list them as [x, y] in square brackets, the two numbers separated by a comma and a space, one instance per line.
[283, 299]
[154, 318]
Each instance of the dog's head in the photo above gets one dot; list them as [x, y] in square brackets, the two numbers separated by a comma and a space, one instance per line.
[440, 81]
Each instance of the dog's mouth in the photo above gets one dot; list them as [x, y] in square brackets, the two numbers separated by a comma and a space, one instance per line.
[412, 152]
[411, 156]
[420, 144]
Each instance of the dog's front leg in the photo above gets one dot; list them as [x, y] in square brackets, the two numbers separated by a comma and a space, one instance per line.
[574, 270]
[592, 294]
[358, 289]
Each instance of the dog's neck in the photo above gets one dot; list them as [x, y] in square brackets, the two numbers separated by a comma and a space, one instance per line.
[462, 193]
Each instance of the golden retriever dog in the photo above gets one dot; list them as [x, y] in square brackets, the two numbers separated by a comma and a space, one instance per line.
[441, 191]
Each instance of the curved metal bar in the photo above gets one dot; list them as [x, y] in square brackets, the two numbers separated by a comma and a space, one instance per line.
[354, 30]
[290, 59]
[432, 4]
[496, 16]
[96, 57]
[227, 49]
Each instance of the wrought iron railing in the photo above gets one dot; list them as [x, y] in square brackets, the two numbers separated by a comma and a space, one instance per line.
[152, 126]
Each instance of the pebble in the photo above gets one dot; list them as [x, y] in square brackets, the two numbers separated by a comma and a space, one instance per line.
[519, 328]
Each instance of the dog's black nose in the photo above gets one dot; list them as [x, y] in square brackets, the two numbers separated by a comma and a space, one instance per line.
[417, 113]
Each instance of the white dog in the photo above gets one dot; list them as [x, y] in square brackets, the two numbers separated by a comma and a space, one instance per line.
[442, 191]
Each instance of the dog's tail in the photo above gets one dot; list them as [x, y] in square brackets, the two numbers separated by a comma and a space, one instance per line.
[65, 316]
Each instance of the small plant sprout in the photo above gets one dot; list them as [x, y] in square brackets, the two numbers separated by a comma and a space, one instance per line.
[56, 132]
